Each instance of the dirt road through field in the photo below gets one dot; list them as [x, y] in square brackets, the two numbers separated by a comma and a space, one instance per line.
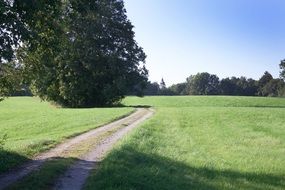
[75, 176]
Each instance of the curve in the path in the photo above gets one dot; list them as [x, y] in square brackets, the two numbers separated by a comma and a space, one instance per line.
[129, 122]
[75, 176]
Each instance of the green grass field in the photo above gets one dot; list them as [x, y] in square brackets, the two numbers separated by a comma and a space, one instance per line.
[200, 143]
[33, 126]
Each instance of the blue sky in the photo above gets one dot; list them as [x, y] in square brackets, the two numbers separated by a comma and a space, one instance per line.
[223, 37]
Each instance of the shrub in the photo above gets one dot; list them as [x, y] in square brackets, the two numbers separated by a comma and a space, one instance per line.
[3, 139]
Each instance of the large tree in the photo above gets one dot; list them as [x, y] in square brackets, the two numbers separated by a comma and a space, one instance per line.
[16, 19]
[274, 87]
[266, 78]
[84, 54]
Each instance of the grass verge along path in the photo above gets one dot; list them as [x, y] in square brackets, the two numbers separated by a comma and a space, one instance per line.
[215, 143]
[82, 152]
[32, 127]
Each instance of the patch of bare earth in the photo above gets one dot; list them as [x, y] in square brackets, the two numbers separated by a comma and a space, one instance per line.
[92, 153]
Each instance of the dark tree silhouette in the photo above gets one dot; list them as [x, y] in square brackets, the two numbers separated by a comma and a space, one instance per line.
[162, 84]
[82, 52]
[282, 67]
[203, 84]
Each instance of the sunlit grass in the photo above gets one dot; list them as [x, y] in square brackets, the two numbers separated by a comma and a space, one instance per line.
[200, 143]
[33, 126]
[206, 101]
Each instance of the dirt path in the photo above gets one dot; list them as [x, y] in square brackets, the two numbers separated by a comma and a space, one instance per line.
[77, 174]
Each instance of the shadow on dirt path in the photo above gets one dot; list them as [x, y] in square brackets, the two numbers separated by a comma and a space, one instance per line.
[122, 125]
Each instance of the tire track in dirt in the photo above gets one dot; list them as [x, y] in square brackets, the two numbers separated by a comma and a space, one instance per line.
[90, 157]
[76, 175]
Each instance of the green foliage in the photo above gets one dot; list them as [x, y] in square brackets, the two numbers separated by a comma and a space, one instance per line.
[200, 143]
[12, 28]
[238, 86]
[266, 78]
[34, 126]
[228, 86]
[16, 19]
[273, 88]
[10, 79]
[78, 53]
[3, 139]
[152, 88]
[179, 89]
[281, 92]
[208, 84]
[85, 54]
[203, 84]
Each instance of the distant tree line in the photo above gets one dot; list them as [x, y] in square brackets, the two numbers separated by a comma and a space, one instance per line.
[83, 53]
[210, 84]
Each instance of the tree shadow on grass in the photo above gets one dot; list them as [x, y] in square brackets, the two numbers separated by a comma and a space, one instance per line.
[9, 159]
[112, 106]
[260, 106]
[33, 174]
[120, 105]
[139, 106]
[130, 169]
[45, 176]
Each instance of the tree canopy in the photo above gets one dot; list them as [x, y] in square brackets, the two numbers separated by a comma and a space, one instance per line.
[203, 84]
[83, 52]
[209, 84]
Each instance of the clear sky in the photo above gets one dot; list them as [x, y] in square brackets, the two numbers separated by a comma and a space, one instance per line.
[223, 37]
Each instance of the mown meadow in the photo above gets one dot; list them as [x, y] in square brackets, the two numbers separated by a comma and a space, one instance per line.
[29, 126]
[191, 142]
[200, 142]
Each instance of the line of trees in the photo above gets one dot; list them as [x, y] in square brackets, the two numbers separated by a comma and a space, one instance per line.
[210, 84]
[82, 53]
